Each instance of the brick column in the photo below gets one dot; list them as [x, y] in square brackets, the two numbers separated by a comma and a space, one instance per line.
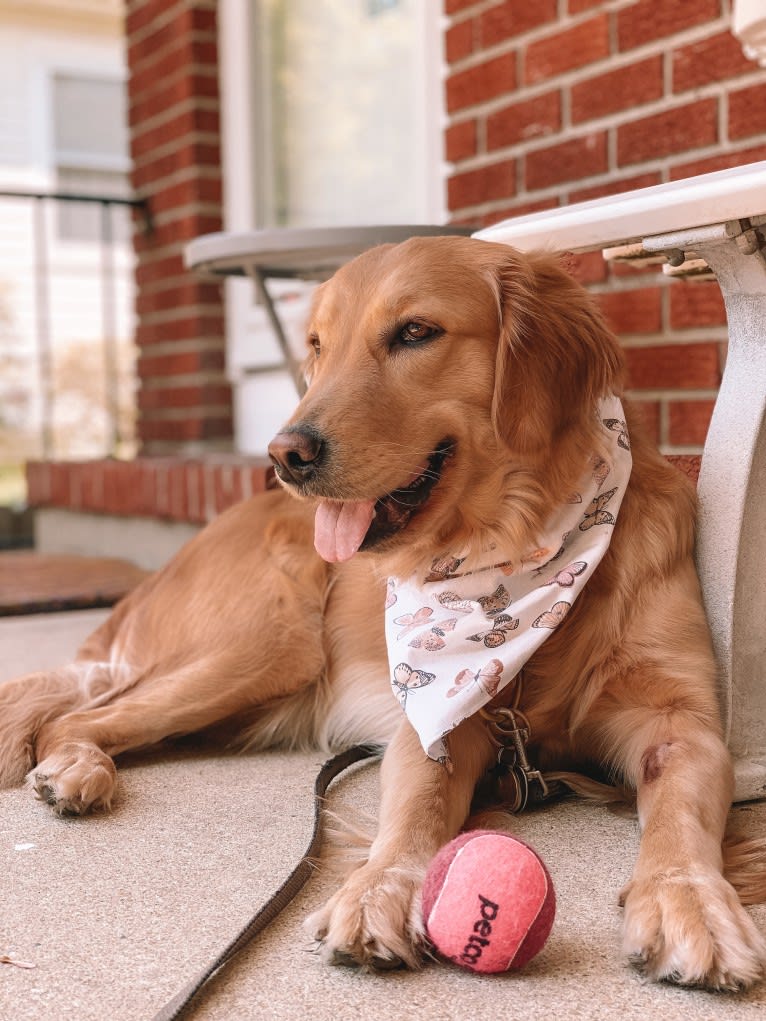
[184, 399]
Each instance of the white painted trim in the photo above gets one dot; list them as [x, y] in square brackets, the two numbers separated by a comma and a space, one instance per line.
[235, 34]
[237, 141]
[431, 114]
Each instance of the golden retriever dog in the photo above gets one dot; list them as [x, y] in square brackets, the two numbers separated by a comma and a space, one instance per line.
[453, 398]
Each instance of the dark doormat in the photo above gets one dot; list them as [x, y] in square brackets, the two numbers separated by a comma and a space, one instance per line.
[46, 582]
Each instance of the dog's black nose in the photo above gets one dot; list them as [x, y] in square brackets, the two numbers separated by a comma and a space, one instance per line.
[296, 454]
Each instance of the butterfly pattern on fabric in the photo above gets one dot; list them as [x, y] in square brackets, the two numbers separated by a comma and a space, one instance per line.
[486, 677]
[495, 603]
[553, 617]
[434, 639]
[492, 601]
[409, 622]
[595, 514]
[452, 601]
[443, 568]
[567, 575]
[406, 679]
[557, 555]
[617, 425]
[601, 470]
[501, 626]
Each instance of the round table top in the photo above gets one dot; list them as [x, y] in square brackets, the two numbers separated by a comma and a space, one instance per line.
[735, 194]
[297, 251]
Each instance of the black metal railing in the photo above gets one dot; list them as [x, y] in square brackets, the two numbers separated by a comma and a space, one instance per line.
[107, 243]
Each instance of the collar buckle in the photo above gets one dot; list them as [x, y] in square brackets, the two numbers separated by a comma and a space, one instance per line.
[520, 783]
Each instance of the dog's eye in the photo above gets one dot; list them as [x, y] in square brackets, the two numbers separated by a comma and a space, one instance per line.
[416, 333]
[314, 342]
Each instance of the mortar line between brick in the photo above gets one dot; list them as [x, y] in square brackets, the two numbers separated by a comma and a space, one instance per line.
[614, 60]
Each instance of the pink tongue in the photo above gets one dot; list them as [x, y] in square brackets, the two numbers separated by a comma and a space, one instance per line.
[339, 528]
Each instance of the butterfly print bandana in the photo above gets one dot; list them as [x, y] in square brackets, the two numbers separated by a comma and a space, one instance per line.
[456, 637]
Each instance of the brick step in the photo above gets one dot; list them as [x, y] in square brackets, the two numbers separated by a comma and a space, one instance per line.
[689, 464]
[166, 488]
[45, 583]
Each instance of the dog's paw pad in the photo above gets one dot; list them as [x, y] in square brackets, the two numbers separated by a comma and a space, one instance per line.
[691, 930]
[74, 780]
[373, 921]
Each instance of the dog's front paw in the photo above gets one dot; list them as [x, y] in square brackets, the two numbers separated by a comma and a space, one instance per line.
[74, 779]
[688, 926]
[374, 920]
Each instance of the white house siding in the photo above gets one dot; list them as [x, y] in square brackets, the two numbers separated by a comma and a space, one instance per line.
[37, 41]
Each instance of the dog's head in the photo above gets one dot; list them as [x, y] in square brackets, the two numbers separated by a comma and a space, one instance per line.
[448, 378]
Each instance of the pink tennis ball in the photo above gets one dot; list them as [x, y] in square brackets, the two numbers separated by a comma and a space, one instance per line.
[488, 902]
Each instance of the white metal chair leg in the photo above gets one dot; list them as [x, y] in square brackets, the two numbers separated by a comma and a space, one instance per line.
[731, 544]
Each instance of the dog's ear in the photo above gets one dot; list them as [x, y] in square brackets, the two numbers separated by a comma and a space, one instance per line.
[556, 357]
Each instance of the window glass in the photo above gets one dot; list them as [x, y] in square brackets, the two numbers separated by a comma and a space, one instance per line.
[90, 117]
[91, 154]
[338, 99]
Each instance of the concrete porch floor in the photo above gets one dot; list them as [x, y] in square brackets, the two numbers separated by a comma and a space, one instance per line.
[117, 912]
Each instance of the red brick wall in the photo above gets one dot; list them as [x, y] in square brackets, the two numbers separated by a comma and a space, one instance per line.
[547, 108]
[184, 398]
[168, 488]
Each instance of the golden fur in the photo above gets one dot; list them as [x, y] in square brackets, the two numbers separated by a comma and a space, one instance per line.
[247, 630]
